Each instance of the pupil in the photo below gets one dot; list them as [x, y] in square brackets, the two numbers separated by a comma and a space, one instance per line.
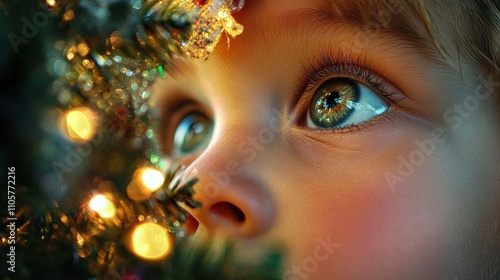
[331, 99]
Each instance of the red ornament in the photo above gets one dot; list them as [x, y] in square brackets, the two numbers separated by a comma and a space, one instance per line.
[200, 2]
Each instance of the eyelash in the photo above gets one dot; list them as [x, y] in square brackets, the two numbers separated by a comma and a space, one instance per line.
[343, 66]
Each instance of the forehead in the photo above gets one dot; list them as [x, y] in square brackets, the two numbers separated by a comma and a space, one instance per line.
[296, 29]
[402, 21]
[281, 37]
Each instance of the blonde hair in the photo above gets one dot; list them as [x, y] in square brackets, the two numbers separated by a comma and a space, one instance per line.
[474, 30]
[450, 32]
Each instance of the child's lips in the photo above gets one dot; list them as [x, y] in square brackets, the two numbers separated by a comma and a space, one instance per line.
[191, 224]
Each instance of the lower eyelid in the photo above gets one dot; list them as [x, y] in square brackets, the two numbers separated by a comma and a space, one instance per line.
[324, 138]
[388, 116]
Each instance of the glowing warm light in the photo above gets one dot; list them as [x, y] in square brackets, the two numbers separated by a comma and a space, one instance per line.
[69, 15]
[79, 239]
[145, 181]
[153, 179]
[78, 125]
[64, 218]
[70, 52]
[103, 206]
[82, 49]
[51, 3]
[70, 56]
[223, 14]
[151, 241]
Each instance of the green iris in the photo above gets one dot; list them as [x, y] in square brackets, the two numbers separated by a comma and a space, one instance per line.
[334, 102]
[193, 132]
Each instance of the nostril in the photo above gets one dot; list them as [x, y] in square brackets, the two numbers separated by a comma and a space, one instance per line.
[228, 211]
[191, 224]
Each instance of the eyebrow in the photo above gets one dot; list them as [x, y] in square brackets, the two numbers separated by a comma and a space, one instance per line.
[178, 66]
[375, 19]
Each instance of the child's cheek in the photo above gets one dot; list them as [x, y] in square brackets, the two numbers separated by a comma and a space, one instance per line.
[382, 227]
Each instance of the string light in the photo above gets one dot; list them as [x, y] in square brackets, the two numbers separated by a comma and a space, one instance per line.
[103, 206]
[51, 3]
[151, 241]
[153, 179]
[78, 124]
[145, 181]
[112, 82]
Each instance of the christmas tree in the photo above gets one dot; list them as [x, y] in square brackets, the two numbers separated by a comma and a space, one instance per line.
[89, 195]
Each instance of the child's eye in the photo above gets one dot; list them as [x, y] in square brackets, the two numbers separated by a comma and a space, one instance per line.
[192, 133]
[342, 102]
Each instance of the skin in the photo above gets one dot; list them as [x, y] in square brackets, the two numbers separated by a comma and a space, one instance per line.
[302, 187]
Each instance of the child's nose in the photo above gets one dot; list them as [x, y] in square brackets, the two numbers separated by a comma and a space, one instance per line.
[235, 200]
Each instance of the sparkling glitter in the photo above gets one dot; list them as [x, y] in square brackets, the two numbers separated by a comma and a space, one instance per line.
[88, 85]
[119, 74]
[235, 5]
[145, 94]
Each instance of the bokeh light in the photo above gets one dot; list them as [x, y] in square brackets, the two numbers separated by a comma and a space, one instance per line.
[78, 124]
[151, 241]
[152, 178]
[145, 181]
[103, 206]
[51, 3]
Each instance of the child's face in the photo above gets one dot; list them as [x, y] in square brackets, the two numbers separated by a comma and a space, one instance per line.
[359, 152]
